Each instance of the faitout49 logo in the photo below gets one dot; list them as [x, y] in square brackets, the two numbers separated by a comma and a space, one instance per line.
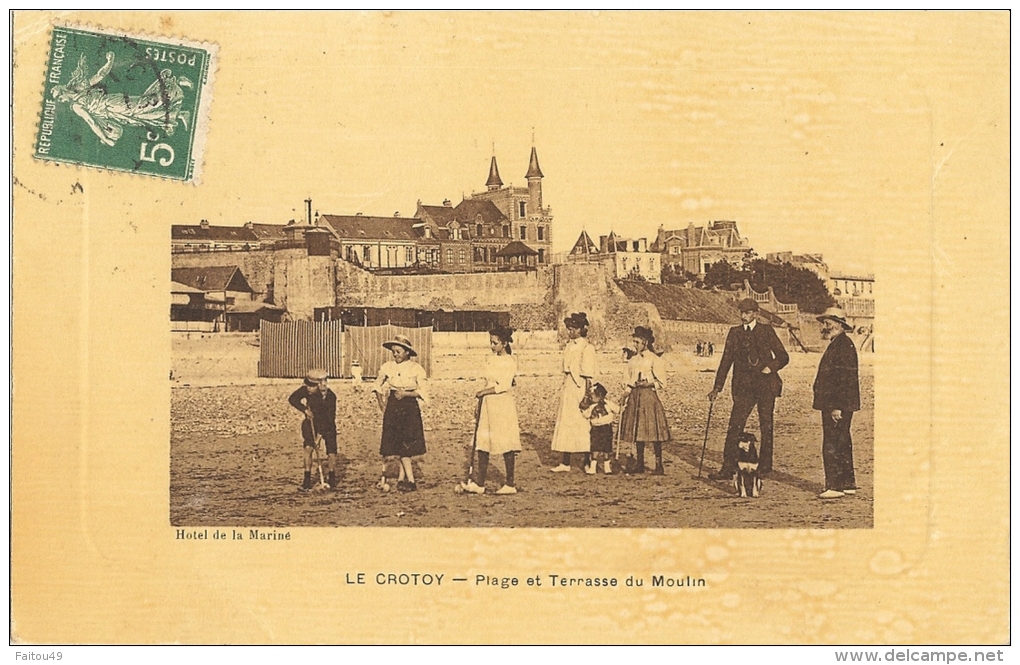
[125, 103]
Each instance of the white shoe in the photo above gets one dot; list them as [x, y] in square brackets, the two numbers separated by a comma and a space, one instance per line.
[608, 467]
[591, 468]
[850, 492]
[472, 487]
[506, 489]
[562, 468]
[830, 494]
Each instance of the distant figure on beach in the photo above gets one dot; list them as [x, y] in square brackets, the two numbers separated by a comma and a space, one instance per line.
[572, 428]
[356, 376]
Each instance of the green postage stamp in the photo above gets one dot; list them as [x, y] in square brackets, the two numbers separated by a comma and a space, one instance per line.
[127, 103]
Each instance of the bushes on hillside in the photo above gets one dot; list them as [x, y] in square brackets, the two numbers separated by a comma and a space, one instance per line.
[790, 283]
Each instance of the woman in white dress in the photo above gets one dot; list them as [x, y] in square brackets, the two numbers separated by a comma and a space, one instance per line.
[572, 433]
[498, 432]
[644, 420]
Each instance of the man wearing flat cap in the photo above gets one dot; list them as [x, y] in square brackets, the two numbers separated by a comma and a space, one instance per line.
[837, 395]
[756, 355]
[317, 402]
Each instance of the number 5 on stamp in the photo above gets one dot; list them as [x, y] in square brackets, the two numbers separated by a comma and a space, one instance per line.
[126, 103]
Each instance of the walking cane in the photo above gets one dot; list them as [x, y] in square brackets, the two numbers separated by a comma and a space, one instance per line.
[711, 405]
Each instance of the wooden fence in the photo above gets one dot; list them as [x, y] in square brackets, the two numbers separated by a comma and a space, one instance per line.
[290, 349]
[366, 345]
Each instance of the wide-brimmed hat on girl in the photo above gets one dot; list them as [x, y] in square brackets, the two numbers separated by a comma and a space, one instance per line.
[402, 342]
[838, 315]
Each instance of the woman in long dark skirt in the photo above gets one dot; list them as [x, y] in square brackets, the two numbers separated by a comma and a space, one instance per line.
[399, 386]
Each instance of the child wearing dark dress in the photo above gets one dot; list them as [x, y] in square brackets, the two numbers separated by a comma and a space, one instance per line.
[602, 414]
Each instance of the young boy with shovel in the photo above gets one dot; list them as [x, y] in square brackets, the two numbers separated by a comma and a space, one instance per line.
[318, 404]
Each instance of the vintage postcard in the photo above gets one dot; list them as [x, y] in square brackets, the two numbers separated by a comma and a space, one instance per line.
[645, 327]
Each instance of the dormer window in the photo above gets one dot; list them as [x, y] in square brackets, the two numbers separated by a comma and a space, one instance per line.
[478, 230]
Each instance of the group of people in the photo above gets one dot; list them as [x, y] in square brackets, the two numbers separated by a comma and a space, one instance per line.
[586, 416]
[755, 353]
[706, 349]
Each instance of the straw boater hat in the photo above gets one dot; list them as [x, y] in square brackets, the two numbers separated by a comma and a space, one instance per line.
[837, 315]
[401, 341]
[315, 376]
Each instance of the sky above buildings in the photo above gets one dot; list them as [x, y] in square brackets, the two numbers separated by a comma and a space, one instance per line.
[810, 130]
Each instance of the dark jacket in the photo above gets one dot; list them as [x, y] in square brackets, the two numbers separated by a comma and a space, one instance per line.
[748, 353]
[837, 385]
[323, 406]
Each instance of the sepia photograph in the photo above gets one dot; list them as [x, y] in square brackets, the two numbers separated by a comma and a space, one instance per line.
[390, 358]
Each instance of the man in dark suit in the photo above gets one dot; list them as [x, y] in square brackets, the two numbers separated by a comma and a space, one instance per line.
[755, 353]
[837, 395]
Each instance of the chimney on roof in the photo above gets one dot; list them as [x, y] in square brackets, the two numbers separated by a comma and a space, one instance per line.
[446, 203]
[204, 223]
[249, 224]
[357, 214]
[316, 217]
[396, 214]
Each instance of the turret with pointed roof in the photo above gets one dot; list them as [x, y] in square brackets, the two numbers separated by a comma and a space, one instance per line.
[494, 182]
[527, 219]
[584, 245]
[534, 177]
[533, 169]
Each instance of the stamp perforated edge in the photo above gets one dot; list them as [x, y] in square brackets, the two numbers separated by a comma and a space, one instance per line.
[205, 99]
